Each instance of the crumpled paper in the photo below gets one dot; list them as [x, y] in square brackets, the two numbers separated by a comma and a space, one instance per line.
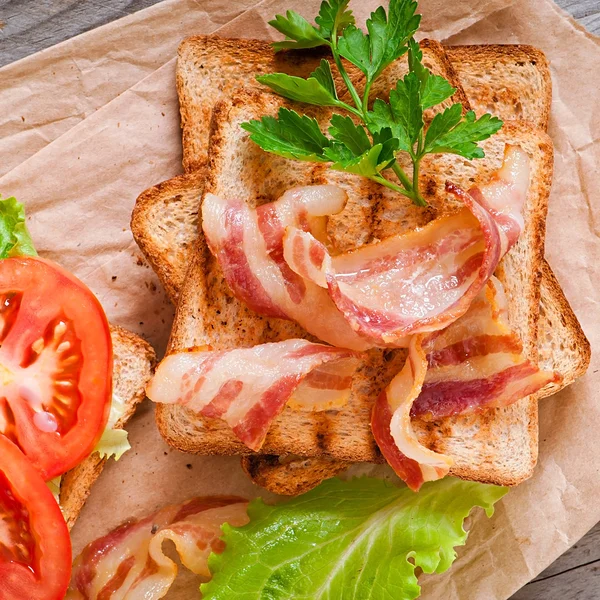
[44, 95]
[79, 191]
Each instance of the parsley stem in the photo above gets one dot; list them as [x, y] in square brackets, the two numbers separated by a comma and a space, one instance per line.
[402, 176]
[416, 160]
[344, 74]
[417, 198]
[392, 186]
[365, 102]
[350, 109]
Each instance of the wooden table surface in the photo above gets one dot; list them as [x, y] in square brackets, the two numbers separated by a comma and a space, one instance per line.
[27, 26]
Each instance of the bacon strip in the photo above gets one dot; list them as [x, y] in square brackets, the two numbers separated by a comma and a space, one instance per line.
[423, 280]
[129, 562]
[475, 364]
[248, 387]
[248, 244]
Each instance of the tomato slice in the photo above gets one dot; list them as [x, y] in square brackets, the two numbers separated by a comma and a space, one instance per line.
[35, 547]
[55, 364]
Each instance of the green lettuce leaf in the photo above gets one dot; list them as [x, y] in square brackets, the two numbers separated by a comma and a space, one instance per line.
[359, 539]
[14, 237]
[114, 442]
[54, 486]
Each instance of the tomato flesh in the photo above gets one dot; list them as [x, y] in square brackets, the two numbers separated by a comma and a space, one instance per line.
[35, 547]
[55, 364]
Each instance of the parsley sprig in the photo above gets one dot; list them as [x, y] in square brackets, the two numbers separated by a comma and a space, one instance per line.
[367, 142]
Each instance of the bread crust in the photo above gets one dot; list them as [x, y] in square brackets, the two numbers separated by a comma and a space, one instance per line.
[562, 343]
[156, 210]
[290, 476]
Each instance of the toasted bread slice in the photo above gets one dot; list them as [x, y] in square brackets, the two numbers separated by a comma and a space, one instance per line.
[134, 361]
[500, 106]
[164, 224]
[210, 69]
[208, 313]
[568, 351]
[562, 345]
[290, 476]
[511, 81]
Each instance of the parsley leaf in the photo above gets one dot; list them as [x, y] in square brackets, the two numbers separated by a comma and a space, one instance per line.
[343, 129]
[351, 149]
[308, 90]
[298, 31]
[394, 32]
[324, 76]
[318, 89]
[334, 13]
[354, 46]
[289, 135]
[403, 115]
[368, 147]
[434, 88]
[366, 164]
[449, 132]
[386, 41]
[363, 538]
[389, 145]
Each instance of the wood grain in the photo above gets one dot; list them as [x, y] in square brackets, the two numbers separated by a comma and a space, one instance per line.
[28, 26]
[587, 12]
[573, 576]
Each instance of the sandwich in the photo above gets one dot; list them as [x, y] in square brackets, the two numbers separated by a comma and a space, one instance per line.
[164, 214]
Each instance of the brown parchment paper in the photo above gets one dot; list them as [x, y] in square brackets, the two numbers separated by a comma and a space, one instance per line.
[80, 189]
[45, 95]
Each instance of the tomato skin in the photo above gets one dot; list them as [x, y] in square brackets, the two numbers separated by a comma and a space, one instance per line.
[48, 578]
[45, 310]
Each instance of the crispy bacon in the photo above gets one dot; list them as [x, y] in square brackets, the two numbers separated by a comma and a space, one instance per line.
[248, 244]
[129, 562]
[423, 280]
[475, 364]
[248, 387]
